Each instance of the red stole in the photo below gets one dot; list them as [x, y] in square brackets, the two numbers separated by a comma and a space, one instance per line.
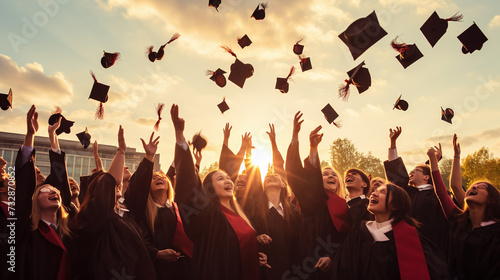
[411, 258]
[337, 207]
[247, 240]
[181, 241]
[5, 209]
[50, 235]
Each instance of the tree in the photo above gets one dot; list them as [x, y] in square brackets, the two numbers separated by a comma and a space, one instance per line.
[445, 170]
[481, 165]
[214, 166]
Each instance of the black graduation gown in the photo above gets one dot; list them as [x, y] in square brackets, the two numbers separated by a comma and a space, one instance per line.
[425, 206]
[108, 246]
[216, 253]
[362, 258]
[358, 210]
[136, 198]
[318, 235]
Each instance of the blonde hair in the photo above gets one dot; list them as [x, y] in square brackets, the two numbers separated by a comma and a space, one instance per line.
[340, 190]
[62, 214]
[151, 206]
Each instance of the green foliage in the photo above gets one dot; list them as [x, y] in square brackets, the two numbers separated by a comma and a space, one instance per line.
[445, 165]
[214, 166]
[481, 165]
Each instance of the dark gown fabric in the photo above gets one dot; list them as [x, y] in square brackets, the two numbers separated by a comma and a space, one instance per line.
[317, 234]
[425, 206]
[108, 246]
[362, 258]
[216, 253]
[136, 198]
[358, 210]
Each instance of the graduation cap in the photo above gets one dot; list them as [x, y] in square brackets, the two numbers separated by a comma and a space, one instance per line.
[408, 54]
[214, 3]
[358, 77]
[159, 109]
[298, 48]
[223, 106]
[244, 41]
[99, 92]
[84, 138]
[108, 59]
[472, 39]
[305, 63]
[400, 104]
[362, 34]
[239, 70]
[6, 100]
[161, 51]
[447, 115]
[218, 77]
[198, 142]
[260, 14]
[435, 27]
[330, 114]
[282, 83]
[65, 124]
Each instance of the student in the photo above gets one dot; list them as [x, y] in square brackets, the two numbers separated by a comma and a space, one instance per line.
[325, 214]
[108, 245]
[473, 248]
[150, 199]
[225, 244]
[388, 247]
[358, 186]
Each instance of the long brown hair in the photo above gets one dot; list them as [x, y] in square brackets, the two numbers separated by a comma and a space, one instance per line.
[151, 207]
[36, 217]
[399, 206]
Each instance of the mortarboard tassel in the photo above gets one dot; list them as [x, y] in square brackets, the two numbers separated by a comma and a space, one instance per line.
[174, 37]
[209, 72]
[228, 49]
[401, 48]
[292, 71]
[338, 124]
[299, 41]
[111, 57]
[344, 90]
[99, 114]
[264, 6]
[159, 109]
[456, 17]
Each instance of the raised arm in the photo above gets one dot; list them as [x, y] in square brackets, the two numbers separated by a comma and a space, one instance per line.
[439, 187]
[393, 136]
[456, 174]
[314, 139]
[116, 166]
[395, 170]
[278, 161]
[229, 161]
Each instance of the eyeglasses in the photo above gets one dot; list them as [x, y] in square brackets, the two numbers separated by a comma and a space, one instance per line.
[480, 186]
[415, 170]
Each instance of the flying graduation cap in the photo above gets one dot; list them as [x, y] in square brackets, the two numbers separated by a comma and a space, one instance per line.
[218, 77]
[358, 77]
[260, 14]
[298, 48]
[435, 27]
[65, 124]
[214, 3]
[330, 115]
[6, 100]
[305, 63]
[99, 92]
[223, 107]
[198, 142]
[108, 59]
[282, 83]
[362, 34]
[84, 138]
[408, 54]
[239, 70]
[161, 51]
[244, 41]
[447, 115]
[400, 104]
[472, 39]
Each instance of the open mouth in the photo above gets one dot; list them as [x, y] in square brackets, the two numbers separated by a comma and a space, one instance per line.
[240, 184]
[54, 198]
[472, 193]
[228, 187]
[349, 179]
[159, 182]
[331, 181]
[373, 201]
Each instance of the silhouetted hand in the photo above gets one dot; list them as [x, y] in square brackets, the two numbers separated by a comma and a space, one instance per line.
[315, 137]
[121, 140]
[32, 120]
[297, 123]
[456, 146]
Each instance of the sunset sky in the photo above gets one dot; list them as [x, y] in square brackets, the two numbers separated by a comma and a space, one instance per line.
[48, 48]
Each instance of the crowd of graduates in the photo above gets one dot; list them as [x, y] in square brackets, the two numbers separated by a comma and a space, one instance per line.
[300, 222]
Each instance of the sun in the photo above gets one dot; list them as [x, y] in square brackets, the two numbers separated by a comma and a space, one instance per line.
[261, 157]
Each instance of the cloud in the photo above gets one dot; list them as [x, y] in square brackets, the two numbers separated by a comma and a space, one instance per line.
[30, 85]
[146, 121]
[422, 6]
[495, 22]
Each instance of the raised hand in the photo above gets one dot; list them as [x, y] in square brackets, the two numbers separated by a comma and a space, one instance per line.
[32, 120]
[297, 123]
[197, 156]
[121, 140]
[178, 123]
[439, 152]
[456, 146]
[151, 147]
[97, 159]
[393, 135]
[432, 153]
[227, 133]
[272, 133]
[315, 137]
[55, 126]
[54, 143]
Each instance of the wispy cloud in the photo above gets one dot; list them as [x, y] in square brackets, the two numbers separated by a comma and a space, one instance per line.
[495, 22]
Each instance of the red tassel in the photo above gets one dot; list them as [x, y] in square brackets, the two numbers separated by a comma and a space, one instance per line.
[57, 111]
[299, 41]
[99, 114]
[93, 76]
[112, 57]
[159, 109]
[292, 70]
[338, 124]
[174, 37]
[456, 17]
[401, 48]
[149, 50]
[344, 90]
[264, 6]
[228, 49]
[209, 72]
[302, 58]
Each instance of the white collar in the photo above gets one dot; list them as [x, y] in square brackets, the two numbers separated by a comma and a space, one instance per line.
[279, 208]
[49, 223]
[361, 197]
[424, 187]
[483, 224]
[378, 230]
[167, 204]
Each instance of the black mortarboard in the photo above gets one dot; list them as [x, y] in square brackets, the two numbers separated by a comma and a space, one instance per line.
[358, 77]
[99, 92]
[472, 39]
[305, 63]
[362, 34]
[199, 143]
[6, 100]
[108, 59]
[435, 27]
[408, 54]
[218, 77]
[161, 51]
[214, 3]
[84, 138]
[400, 104]
[244, 41]
[239, 70]
[65, 124]
[260, 14]
[330, 114]
[282, 83]
[298, 48]
[223, 106]
[447, 115]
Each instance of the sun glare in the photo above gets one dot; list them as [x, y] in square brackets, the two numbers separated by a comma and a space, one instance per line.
[262, 158]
